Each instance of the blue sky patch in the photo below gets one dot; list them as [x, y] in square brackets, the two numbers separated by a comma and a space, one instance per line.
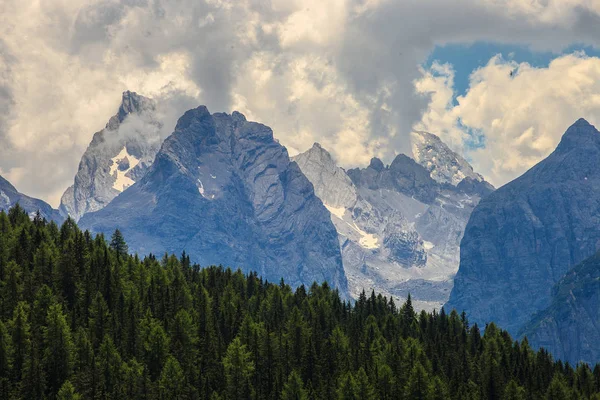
[465, 58]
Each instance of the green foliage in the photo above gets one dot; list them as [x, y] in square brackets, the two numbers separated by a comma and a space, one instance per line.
[82, 319]
[294, 388]
[513, 391]
[67, 392]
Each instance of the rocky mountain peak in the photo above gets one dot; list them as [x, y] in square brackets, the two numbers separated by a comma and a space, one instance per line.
[332, 184]
[116, 158]
[225, 191]
[134, 103]
[376, 164]
[443, 164]
[579, 135]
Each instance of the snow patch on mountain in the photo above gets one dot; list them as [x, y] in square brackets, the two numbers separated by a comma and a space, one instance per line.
[122, 163]
[337, 211]
[116, 158]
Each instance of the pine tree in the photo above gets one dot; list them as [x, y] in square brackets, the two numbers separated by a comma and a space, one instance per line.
[118, 244]
[558, 389]
[21, 337]
[347, 389]
[437, 389]
[67, 392]
[513, 391]
[417, 385]
[239, 368]
[364, 389]
[108, 367]
[172, 381]
[132, 379]
[58, 354]
[6, 352]
[294, 388]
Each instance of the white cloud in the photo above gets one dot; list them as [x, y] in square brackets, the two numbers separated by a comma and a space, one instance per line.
[521, 116]
[340, 72]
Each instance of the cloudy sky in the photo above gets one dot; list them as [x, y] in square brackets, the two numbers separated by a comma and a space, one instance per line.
[498, 80]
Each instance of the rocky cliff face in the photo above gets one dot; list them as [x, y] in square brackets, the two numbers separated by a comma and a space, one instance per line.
[116, 158]
[444, 165]
[222, 189]
[399, 229]
[9, 196]
[569, 328]
[523, 238]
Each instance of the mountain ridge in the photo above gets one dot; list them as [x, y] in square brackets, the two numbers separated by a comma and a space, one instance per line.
[10, 196]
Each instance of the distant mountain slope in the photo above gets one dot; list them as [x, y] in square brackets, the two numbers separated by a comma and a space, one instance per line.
[116, 158]
[9, 196]
[222, 189]
[570, 327]
[399, 229]
[523, 238]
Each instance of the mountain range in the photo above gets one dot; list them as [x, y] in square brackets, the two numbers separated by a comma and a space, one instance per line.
[398, 237]
[224, 191]
[399, 228]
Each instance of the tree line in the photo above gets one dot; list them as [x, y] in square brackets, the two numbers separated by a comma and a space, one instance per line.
[81, 318]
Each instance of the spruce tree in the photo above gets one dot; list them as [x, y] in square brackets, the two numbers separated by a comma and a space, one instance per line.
[118, 244]
[58, 345]
[294, 388]
[172, 381]
[67, 392]
[239, 368]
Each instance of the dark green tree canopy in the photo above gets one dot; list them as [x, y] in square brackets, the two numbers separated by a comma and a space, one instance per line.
[80, 318]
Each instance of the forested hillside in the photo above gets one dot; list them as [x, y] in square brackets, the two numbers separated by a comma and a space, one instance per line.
[80, 318]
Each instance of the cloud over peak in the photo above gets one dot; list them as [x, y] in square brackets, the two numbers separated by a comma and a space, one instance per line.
[340, 72]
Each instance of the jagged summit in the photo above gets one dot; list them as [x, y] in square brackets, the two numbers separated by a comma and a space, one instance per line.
[403, 175]
[222, 189]
[332, 184]
[444, 165]
[398, 228]
[116, 157]
[376, 164]
[131, 103]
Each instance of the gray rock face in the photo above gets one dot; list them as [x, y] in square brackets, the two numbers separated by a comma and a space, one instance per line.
[404, 175]
[523, 238]
[569, 327]
[444, 165]
[117, 157]
[9, 196]
[398, 228]
[223, 190]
